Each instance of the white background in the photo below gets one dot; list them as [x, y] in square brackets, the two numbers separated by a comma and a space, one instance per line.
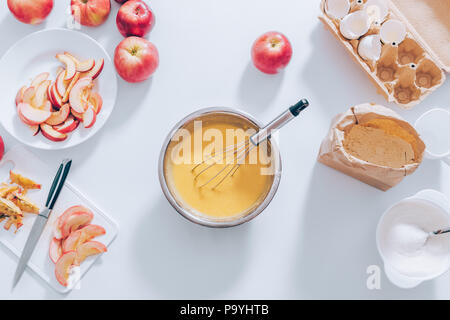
[316, 238]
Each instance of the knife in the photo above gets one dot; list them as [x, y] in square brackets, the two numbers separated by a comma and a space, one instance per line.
[42, 218]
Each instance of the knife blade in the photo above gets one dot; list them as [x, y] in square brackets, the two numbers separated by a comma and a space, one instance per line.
[42, 219]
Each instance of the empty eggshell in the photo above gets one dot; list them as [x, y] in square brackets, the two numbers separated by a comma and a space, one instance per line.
[392, 32]
[354, 25]
[337, 9]
[370, 48]
[377, 10]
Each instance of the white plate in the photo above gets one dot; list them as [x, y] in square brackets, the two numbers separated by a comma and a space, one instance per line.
[35, 54]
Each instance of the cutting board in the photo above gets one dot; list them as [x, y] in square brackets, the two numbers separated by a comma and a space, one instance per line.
[24, 162]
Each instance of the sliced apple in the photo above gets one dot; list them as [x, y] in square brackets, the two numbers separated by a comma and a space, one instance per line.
[19, 96]
[61, 84]
[41, 94]
[68, 126]
[70, 87]
[88, 249]
[64, 266]
[96, 101]
[89, 117]
[52, 134]
[71, 68]
[56, 98]
[32, 116]
[35, 129]
[39, 79]
[59, 116]
[78, 91]
[49, 94]
[77, 115]
[82, 66]
[55, 251]
[74, 218]
[28, 95]
[47, 106]
[95, 71]
[81, 236]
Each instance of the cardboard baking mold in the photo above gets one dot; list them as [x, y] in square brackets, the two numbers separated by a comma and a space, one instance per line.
[408, 72]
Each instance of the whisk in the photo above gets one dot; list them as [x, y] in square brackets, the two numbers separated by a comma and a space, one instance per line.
[240, 151]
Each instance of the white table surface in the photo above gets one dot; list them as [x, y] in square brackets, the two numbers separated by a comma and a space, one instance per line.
[316, 238]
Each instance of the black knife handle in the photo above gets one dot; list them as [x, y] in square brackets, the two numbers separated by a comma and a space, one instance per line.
[58, 183]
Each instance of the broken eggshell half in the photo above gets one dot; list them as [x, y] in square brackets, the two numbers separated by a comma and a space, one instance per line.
[392, 32]
[369, 48]
[354, 25]
[377, 10]
[337, 9]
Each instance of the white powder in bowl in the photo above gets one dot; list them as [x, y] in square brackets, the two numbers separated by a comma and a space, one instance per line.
[404, 242]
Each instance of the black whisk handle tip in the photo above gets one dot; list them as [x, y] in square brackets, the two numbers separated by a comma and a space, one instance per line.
[299, 107]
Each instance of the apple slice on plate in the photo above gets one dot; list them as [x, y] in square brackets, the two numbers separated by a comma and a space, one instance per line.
[19, 96]
[78, 91]
[28, 95]
[32, 116]
[39, 79]
[56, 98]
[55, 251]
[47, 106]
[81, 236]
[89, 117]
[68, 126]
[88, 249]
[71, 68]
[72, 219]
[61, 84]
[82, 66]
[64, 266]
[65, 97]
[59, 116]
[41, 94]
[35, 129]
[95, 71]
[96, 101]
[52, 134]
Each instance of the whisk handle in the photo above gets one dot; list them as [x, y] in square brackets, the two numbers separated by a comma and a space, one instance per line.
[279, 122]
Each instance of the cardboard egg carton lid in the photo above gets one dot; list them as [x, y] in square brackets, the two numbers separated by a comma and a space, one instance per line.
[429, 22]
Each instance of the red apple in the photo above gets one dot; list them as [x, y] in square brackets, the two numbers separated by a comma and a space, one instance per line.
[136, 59]
[135, 19]
[30, 11]
[271, 52]
[90, 13]
[2, 148]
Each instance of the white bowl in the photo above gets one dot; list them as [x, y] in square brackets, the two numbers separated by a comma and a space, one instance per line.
[35, 54]
[434, 129]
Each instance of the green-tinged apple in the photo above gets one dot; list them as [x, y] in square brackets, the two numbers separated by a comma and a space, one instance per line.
[136, 59]
[90, 13]
[30, 11]
[135, 19]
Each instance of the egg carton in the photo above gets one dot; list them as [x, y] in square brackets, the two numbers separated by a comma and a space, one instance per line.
[406, 72]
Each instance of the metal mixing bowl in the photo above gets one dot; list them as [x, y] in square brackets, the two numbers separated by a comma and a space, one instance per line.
[213, 114]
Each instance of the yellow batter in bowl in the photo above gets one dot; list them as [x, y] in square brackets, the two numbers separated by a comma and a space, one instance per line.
[238, 195]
